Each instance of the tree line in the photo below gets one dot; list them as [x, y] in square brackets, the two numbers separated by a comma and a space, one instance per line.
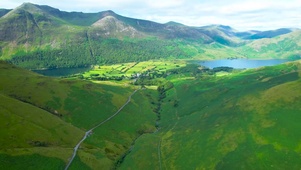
[99, 51]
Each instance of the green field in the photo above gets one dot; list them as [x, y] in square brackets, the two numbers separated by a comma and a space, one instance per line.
[128, 71]
[181, 116]
[46, 117]
[190, 118]
[245, 120]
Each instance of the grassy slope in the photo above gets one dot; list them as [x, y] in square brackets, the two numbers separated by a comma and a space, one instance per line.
[30, 162]
[38, 37]
[63, 101]
[31, 136]
[247, 117]
[40, 126]
[284, 46]
[246, 120]
[69, 99]
[110, 141]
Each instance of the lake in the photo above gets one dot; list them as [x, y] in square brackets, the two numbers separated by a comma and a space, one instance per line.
[60, 72]
[241, 63]
[236, 63]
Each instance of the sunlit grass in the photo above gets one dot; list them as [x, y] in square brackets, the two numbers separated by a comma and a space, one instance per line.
[250, 116]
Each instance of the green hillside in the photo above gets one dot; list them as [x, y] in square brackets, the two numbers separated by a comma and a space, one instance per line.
[284, 46]
[245, 120]
[235, 120]
[145, 103]
[37, 37]
[44, 118]
[31, 137]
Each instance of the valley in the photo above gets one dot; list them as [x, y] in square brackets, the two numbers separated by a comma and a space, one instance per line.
[125, 93]
[188, 115]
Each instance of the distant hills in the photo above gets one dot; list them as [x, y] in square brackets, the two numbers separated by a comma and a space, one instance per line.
[268, 34]
[188, 117]
[37, 36]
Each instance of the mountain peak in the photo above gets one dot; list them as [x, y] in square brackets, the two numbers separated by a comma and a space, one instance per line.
[27, 6]
[111, 26]
[173, 23]
[26, 3]
[108, 13]
[225, 27]
[24, 7]
[105, 20]
[30, 7]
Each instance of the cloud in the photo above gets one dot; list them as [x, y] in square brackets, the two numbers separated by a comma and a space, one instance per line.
[242, 15]
[159, 4]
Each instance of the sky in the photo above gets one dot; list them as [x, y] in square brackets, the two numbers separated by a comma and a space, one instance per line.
[242, 15]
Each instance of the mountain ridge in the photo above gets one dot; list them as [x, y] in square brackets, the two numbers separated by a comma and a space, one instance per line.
[184, 116]
[33, 36]
[57, 12]
[62, 14]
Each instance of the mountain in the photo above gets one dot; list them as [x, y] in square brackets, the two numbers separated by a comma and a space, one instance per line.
[174, 115]
[269, 34]
[4, 12]
[222, 34]
[189, 117]
[284, 46]
[38, 37]
[110, 26]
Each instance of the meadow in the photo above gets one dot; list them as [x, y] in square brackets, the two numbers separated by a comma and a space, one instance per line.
[132, 70]
[53, 114]
[192, 118]
[184, 116]
[244, 120]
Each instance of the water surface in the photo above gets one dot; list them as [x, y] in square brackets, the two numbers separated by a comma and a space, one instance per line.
[241, 63]
[60, 72]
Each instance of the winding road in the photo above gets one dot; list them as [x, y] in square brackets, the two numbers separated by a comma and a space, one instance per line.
[89, 131]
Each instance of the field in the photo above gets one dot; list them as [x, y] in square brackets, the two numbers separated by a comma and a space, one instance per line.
[181, 116]
[245, 120]
[53, 114]
[131, 70]
[189, 118]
